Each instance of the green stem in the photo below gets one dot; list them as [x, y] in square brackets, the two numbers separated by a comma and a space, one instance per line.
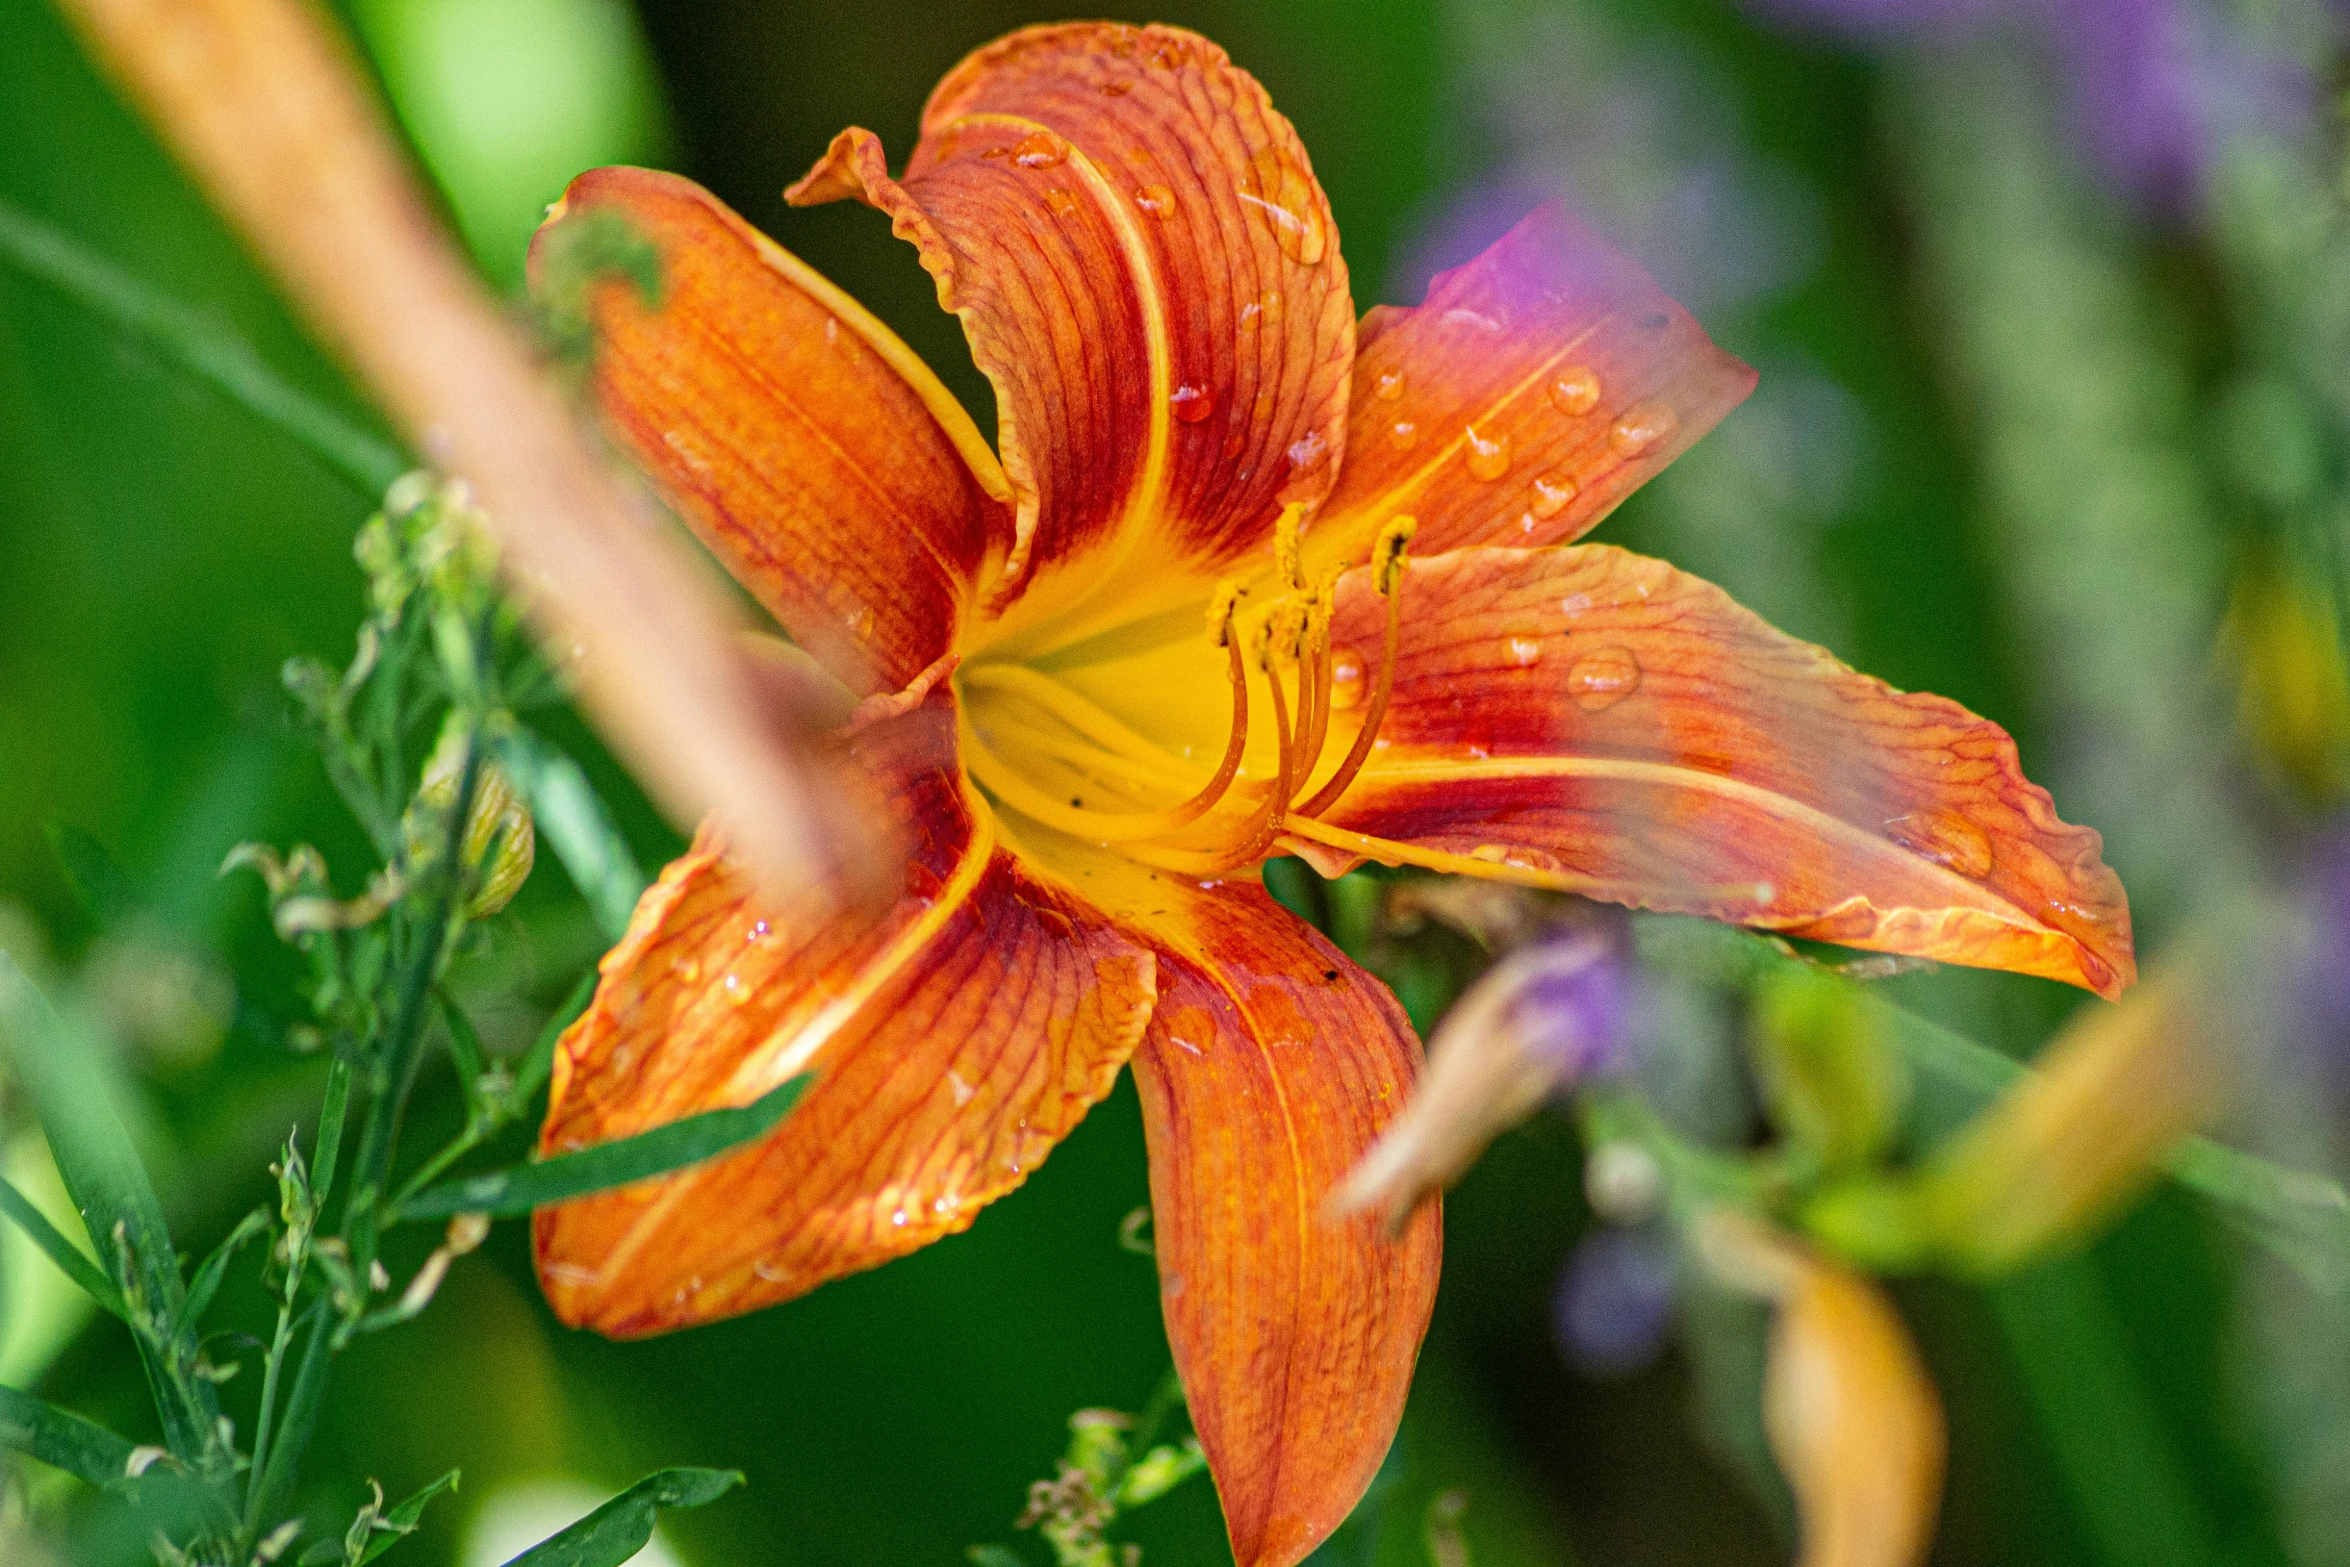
[208, 352]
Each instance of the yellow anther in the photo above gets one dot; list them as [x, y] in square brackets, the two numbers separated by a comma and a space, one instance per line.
[1287, 628]
[1288, 546]
[1260, 641]
[1387, 554]
[1221, 609]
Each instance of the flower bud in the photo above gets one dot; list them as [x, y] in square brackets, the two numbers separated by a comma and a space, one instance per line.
[499, 838]
[1852, 1417]
[1544, 1016]
[2064, 1149]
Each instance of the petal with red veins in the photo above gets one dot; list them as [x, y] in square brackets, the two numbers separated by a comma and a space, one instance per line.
[818, 458]
[1590, 719]
[955, 1040]
[1535, 388]
[1149, 275]
[1271, 1066]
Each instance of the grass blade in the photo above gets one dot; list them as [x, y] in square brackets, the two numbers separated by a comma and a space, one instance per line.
[621, 1527]
[68, 1257]
[61, 1439]
[572, 818]
[205, 350]
[508, 1194]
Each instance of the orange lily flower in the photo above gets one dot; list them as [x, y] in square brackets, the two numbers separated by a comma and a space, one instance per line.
[1184, 621]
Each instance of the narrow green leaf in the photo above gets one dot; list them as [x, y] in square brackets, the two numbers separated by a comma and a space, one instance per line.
[511, 1193]
[329, 1146]
[98, 883]
[621, 1527]
[273, 1485]
[61, 1439]
[570, 816]
[465, 1051]
[203, 348]
[210, 1272]
[93, 1151]
[531, 1074]
[402, 1520]
[68, 1257]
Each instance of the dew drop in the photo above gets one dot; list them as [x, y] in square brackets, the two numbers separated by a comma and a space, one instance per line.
[1039, 150]
[1405, 433]
[1603, 679]
[1235, 443]
[1524, 651]
[1575, 392]
[1191, 403]
[1157, 200]
[1060, 202]
[1389, 386]
[1641, 426]
[687, 969]
[1346, 679]
[898, 1218]
[1308, 450]
[1945, 838]
[1552, 492]
[1489, 457]
[1283, 195]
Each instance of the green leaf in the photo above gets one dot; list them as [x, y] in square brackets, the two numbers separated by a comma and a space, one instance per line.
[109, 1187]
[68, 1257]
[621, 1527]
[531, 1073]
[210, 1272]
[61, 1439]
[402, 1520]
[507, 1194]
[571, 817]
[98, 884]
[994, 1556]
[202, 347]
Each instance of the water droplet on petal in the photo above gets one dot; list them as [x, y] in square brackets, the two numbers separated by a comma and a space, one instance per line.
[1346, 679]
[898, 1218]
[1157, 200]
[1641, 426]
[1191, 403]
[1283, 196]
[1405, 433]
[1603, 679]
[1552, 492]
[1575, 392]
[1489, 456]
[1524, 650]
[1060, 202]
[1945, 838]
[1308, 450]
[1389, 386]
[1039, 150]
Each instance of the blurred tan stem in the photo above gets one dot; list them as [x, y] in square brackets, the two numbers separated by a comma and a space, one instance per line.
[262, 101]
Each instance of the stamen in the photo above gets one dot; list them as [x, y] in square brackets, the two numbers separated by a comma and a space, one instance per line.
[1314, 704]
[1265, 825]
[1387, 578]
[1288, 546]
[1070, 708]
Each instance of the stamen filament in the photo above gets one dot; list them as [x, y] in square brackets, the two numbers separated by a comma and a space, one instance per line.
[1067, 706]
[1387, 578]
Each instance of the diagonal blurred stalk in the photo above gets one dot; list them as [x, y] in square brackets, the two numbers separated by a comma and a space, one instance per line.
[203, 349]
[262, 102]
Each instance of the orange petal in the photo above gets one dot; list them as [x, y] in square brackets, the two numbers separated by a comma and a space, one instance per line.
[1593, 720]
[806, 445]
[956, 1039]
[1271, 1066]
[1148, 273]
[1537, 387]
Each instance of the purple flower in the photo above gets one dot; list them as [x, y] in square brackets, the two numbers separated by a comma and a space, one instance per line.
[1615, 1301]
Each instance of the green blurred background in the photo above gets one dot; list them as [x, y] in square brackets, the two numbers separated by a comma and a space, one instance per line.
[2043, 395]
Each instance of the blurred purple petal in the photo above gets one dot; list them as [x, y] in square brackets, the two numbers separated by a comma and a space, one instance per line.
[1615, 1301]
